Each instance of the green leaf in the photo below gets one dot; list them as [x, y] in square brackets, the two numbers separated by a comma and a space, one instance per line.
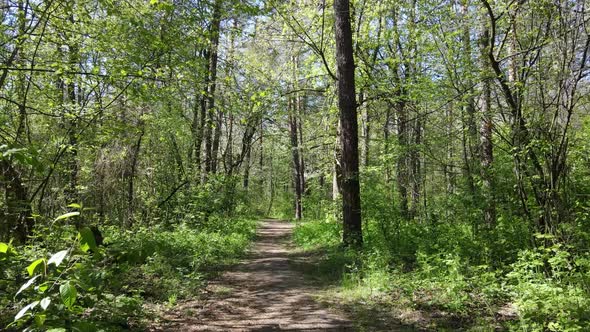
[86, 238]
[24, 310]
[35, 266]
[57, 258]
[57, 329]
[27, 284]
[40, 320]
[5, 250]
[75, 206]
[67, 215]
[68, 294]
[45, 303]
[43, 287]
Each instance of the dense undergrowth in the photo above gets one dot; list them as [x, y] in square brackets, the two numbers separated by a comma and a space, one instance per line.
[439, 276]
[80, 286]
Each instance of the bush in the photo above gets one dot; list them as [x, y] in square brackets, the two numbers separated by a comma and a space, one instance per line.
[550, 288]
[104, 288]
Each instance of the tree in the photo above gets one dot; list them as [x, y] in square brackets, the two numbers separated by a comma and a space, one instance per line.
[347, 104]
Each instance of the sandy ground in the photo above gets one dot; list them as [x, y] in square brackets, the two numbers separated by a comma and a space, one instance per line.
[262, 293]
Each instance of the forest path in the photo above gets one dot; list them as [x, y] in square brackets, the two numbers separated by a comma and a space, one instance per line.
[262, 293]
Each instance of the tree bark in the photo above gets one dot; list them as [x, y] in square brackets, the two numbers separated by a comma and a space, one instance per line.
[132, 171]
[486, 144]
[351, 203]
[296, 161]
[19, 222]
[210, 153]
[403, 174]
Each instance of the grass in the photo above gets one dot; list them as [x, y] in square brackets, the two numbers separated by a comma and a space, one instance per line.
[436, 293]
[136, 273]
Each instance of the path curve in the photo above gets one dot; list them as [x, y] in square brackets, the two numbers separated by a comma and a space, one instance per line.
[262, 293]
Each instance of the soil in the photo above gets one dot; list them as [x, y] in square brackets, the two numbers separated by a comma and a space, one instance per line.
[262, 293]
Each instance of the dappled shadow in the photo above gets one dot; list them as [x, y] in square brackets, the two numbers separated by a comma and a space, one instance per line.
[262, 293]
[324, 267]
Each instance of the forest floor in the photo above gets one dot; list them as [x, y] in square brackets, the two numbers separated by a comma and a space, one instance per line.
[264, 292]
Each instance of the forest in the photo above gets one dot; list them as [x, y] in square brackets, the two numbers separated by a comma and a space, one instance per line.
[424, 164]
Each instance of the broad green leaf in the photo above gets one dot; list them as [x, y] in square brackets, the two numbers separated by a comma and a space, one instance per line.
[86, 238]
[27, 284]
[75, 206]
[67, 215]
[68, 294]
[35, 266]
[5, 250]
[24, 310]
[57, 258]
[57, 329]
[45, 303]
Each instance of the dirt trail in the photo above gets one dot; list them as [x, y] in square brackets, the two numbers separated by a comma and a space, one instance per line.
[262, 293]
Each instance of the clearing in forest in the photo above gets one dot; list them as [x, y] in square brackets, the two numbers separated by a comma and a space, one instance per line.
[262, 293]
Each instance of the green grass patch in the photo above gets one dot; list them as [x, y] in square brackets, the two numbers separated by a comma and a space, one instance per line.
[114, 287]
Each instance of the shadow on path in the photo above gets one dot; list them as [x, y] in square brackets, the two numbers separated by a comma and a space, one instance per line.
[262, 293]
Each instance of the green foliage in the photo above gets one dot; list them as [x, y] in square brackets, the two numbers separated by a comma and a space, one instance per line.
[90, 287]
[550, 288]
[160, 263]
[324, 233]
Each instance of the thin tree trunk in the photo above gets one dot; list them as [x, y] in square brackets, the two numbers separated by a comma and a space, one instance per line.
[486, 144]
[246, 179]
[337, 167]
[386, 137]
[18, 218]
[366, 131]
[70, 105]
[229, 147]
[416, 168]
[470, 142]
[403, 176]
[295, 158]
[210, 164]
[216, 140]
[132, 171]
[299, 120]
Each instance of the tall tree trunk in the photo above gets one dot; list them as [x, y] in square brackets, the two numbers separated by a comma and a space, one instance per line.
[337, 167]
[403, 174]
[299, 119]
[197, 131]
[292, 105]
[485, 132]
[470, 145]
[386, 144]
[201, 117]
[70, 105]
[132, 171]
[216, 141]
[351, 202]
[449, 168]
[366, 131]
[211, 116]
[228, 154]
[246, 179]
[416, 167]
[19, 222]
